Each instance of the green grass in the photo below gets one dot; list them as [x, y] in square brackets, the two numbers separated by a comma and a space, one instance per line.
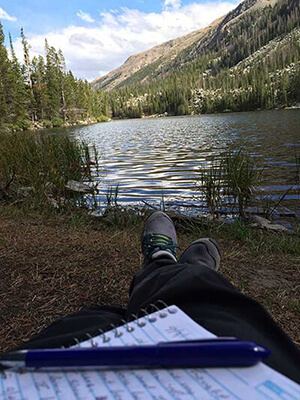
[210, 183]
[297, 172]
[241, 175]
[36, 166]
[230, 180]
[258, 241]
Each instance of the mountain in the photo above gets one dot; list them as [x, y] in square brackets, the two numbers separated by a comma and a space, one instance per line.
[163, 53]
[168, 51]
[248, 59]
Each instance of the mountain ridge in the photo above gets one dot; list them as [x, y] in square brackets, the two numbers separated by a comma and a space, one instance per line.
[170, 50]
[247, 60]
[140, 60]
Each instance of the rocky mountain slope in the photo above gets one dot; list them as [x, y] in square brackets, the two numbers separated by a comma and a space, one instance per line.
[247, 60]
[163, 53]
[180, 50]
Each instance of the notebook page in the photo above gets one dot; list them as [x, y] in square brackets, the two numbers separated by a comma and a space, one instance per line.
[259, 382]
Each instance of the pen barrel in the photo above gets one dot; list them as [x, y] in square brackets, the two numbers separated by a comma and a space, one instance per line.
[179, 354]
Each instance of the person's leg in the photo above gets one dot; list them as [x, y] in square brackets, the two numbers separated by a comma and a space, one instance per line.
[76, 327]
[194, 285]
[89, 322]
[159, 245]
[203, 252]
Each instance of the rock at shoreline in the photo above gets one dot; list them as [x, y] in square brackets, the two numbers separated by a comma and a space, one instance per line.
[79, 187]
[260, 222]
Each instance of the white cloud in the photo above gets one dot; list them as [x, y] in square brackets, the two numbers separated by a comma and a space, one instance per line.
[170, 5]
[85, 16]
[5, 15]
[95, 50]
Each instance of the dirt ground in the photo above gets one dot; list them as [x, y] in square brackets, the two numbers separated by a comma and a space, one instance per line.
[50, 268]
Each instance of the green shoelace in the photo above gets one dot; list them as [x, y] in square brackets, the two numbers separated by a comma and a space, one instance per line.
[156, 241]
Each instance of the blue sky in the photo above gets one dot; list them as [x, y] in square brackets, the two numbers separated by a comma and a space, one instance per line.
[97, 36]
[39, 16]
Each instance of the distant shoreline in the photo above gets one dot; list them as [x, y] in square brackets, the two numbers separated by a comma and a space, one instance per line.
[166, 115]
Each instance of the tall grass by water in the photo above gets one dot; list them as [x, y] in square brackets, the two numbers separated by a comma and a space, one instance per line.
[210, 183]
[241, 176]
[297, 172]
[35, 167]
[234, 175]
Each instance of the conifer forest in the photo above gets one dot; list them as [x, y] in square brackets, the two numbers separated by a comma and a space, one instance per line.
[41, 92]
[253, 65]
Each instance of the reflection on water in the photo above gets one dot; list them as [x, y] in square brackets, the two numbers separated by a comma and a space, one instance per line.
[155, 156]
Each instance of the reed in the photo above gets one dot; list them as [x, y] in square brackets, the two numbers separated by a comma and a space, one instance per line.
[241, 175]
[37, 166]
[297, 172]
[112, 196]
[267, 204]
[210, 184]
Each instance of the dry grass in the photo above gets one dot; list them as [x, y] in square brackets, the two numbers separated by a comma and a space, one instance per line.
[50, 268]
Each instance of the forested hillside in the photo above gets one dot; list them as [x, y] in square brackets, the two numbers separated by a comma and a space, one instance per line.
[249, 60]
[41, 92]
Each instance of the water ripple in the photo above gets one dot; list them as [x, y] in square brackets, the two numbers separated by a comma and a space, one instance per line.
[155, 156]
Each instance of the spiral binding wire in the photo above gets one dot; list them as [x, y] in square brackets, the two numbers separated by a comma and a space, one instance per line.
[133, 318]
[149, 317]
[115, 329]
[105, 338]
[139, 323]
[91, 339]
[170, 310]
[136, 319]
[161, 313]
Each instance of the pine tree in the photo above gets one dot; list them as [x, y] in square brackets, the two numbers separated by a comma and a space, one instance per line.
[61, 70]
[26, 48]
[4, 67]
[53, 83]
[20, 100]
[40, 87]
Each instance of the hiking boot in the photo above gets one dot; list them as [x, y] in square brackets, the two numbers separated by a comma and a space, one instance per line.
[204, 252]
[159, 239]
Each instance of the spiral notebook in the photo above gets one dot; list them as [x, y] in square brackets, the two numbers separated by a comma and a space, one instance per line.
[253, 383]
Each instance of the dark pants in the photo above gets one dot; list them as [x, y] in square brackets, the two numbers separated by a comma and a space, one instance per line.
[205, 295]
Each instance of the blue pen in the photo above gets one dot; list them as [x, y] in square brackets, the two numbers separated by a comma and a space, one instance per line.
[226, 352]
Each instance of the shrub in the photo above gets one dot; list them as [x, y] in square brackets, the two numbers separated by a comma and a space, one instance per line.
[17, 126]
[102, 118]
[57, 122]
[47, 123]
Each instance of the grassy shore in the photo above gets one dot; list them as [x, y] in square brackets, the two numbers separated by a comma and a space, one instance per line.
[55, 265]
[55, 259]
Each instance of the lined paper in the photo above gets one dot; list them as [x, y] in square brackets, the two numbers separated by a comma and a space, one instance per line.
[252, 383]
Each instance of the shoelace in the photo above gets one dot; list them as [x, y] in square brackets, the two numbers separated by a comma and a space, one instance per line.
[155, 241]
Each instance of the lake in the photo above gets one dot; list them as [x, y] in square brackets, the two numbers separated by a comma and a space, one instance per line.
[151, 158]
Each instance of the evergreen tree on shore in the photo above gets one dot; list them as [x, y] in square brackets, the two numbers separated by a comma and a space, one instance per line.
[42, 92]
[253, 65]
